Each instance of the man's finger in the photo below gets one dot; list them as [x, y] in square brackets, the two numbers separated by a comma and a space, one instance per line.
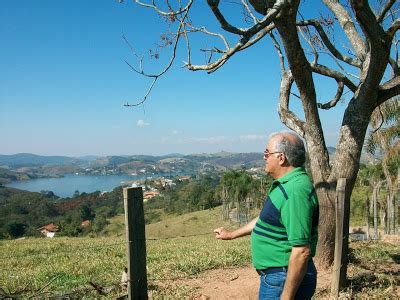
[218, 230]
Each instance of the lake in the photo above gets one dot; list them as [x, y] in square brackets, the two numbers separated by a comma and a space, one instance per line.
[67, 185]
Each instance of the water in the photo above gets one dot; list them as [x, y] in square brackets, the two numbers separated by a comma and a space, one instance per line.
[66, 186]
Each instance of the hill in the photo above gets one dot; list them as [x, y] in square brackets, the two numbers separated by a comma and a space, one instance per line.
[36, 166]
[30, 160]
[199, 222]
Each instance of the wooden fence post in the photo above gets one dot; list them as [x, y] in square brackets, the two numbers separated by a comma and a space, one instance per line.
[341, 239]
[136, 250]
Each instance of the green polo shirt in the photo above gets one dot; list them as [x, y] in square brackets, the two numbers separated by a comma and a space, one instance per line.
[289, 218]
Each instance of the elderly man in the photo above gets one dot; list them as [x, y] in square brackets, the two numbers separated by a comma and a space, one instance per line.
[284, 236]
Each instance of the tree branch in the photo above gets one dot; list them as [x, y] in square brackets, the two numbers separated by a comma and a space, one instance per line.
[164, 13]
[205, 31]
[231, 51]
[336, 99]
[280, 53]
[329, 45]
[393, 28]
[367, 20]
[245, 4]
[385, 9]
[288, 117]
[348, 27]
[395, 66]
[310, 42]
[249, 32]
[379, 42]
[156, 76]
[213, 4]
[389, 89]
[323, 70]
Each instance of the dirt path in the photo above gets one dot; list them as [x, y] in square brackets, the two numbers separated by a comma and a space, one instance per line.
[243, 283]
[239, 283]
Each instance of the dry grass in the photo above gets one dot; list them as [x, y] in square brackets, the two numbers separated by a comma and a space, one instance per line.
[46, 267]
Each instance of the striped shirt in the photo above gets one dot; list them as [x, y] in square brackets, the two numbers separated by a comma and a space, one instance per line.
[289, 218]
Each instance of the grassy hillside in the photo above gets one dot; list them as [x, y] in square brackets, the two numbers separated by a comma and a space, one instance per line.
[43, 268]
[59, 266]
[199, 222]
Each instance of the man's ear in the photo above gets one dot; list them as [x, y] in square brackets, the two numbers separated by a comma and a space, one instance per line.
[282, 160]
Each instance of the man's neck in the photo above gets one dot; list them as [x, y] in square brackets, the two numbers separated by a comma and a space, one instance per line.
[283, 171]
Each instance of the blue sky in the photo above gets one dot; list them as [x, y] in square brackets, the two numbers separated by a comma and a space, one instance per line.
[64, 82]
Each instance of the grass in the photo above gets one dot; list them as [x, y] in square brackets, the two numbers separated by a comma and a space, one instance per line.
[199, 222]
[58, 266]
[50, 267]
[70, 263]
[374, 270]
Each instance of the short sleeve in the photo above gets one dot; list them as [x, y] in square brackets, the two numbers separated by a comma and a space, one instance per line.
[297, 213]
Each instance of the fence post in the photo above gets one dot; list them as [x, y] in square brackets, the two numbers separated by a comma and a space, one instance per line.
[341, 239]
[136, 250]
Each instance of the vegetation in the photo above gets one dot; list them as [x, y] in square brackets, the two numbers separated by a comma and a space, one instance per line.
[63, 265]
[22, 213]
[70, 263]
[385, 139]
[7, 176]
[241, 195]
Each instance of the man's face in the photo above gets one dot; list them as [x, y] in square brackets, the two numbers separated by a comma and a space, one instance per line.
[271, 158]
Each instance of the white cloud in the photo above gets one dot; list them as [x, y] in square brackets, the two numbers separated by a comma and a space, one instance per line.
[253, 137]
[174, 132]
[211, 139]
[142, 123]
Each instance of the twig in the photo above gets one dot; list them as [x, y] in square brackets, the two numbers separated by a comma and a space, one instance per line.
[46, 285]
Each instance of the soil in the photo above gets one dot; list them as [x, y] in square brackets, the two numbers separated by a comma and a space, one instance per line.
[243, 283]
[238, 283]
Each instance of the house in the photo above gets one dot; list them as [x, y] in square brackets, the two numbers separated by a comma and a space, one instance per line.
[183, 178]
[49, 230]
[150, 195]
[85, 223]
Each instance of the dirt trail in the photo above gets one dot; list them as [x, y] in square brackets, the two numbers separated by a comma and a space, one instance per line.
[240, 283]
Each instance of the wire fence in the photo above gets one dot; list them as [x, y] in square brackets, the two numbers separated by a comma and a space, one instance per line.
[104, 290]
[92, 287]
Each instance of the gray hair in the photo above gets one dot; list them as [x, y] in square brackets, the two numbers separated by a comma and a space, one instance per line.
[292, 146]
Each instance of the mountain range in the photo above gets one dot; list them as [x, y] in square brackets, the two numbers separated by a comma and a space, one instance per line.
[147, 164]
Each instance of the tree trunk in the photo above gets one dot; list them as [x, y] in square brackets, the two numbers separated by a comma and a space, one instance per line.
[375, 200]
[388, 214]
[313, 135]
[382, 211]
[238, 211]
[367, 215]
[225, 213]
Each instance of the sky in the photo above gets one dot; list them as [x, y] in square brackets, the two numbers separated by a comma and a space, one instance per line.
[64, 80]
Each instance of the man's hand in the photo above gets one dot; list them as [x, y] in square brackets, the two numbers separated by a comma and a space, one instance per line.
[222, 234]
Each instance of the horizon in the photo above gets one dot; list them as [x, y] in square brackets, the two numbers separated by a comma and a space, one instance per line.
[167, 154]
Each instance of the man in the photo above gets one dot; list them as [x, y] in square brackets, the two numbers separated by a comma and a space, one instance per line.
[284, 236]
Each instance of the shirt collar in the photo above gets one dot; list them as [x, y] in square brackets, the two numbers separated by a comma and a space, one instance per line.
[288, 176]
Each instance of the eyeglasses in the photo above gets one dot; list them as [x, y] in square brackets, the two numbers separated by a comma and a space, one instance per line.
[267, 154]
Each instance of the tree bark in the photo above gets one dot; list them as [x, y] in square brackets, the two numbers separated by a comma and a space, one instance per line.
[367, 215]
[375, 201]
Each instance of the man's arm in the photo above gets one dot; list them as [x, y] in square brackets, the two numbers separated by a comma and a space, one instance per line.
[297, 268]
[222, 234]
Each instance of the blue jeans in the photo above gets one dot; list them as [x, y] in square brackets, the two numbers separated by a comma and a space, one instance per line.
[272, 282]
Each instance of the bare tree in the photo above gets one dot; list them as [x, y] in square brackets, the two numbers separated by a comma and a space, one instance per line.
[366, 70]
